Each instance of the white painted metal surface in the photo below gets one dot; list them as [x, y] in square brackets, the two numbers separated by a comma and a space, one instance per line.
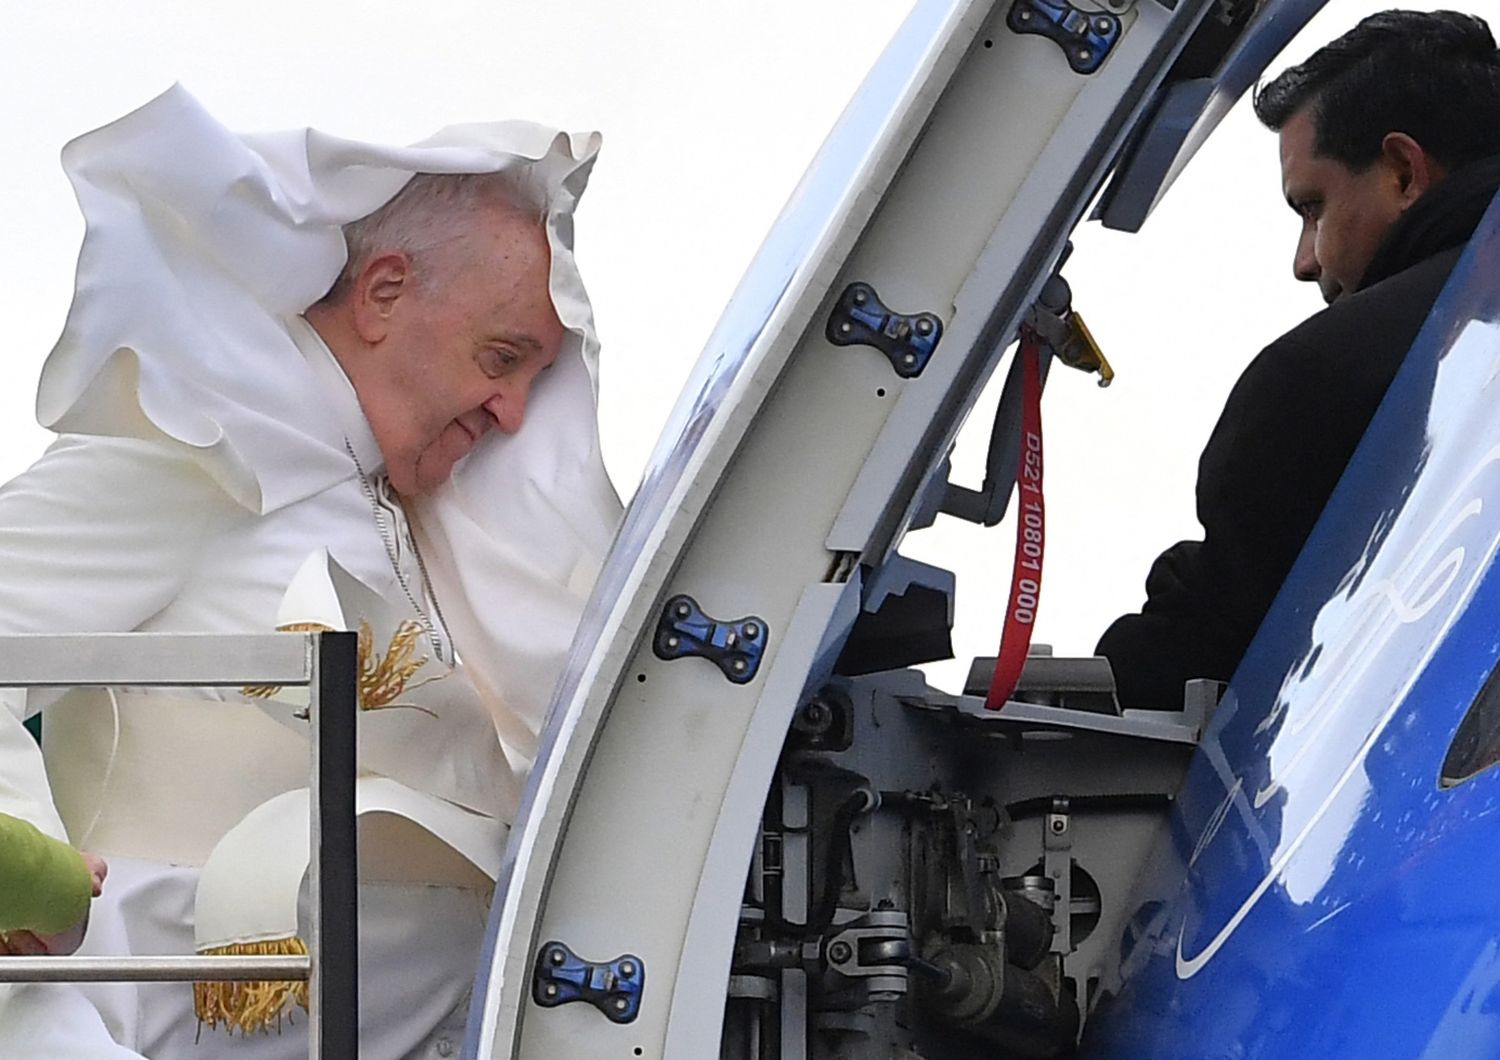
[950, 186]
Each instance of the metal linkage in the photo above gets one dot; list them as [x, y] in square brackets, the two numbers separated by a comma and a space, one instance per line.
[1063, 330]
[613, 987]
[1057, 861]
[735, 647]
[326, 664]
[859, 318]
[875, 948]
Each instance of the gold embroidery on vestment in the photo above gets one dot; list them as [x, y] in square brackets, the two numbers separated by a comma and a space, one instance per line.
[383, 678]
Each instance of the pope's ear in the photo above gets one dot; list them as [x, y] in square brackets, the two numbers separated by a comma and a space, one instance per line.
[377, 290]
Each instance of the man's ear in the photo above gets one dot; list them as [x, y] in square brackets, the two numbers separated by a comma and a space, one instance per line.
[377, 291]
[1415, 171]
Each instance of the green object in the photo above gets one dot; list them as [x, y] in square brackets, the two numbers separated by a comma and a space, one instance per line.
[45, 886]
[34, 725]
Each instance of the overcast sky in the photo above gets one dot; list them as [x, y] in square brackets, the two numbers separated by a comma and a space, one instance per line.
[710, 112]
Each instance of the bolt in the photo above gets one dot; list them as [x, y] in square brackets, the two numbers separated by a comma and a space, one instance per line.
[1059, 825]
[738, 666]
[751, 631]
[1104, 24]
[627, 970]
[683, 610]
[1084, 55]
[557, 956]
[551, 990]
[924, 326]
[845, 328]
[817, 715]
[839, 952]
[672, 642]
[909, 360]
[861, 297]
[1025, 16]
[621, 1004]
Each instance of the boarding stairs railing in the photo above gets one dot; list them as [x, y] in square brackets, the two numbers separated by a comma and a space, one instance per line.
[325, 663]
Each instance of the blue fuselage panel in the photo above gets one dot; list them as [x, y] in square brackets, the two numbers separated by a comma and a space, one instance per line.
[1323, 893]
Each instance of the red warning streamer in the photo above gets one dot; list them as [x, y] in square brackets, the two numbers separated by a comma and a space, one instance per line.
[1031, 530]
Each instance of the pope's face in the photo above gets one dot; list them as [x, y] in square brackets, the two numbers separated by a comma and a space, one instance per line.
[463, 346]
[1345, 213]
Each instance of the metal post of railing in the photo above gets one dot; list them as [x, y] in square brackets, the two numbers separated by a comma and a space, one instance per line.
[326, 663]
[334, 931]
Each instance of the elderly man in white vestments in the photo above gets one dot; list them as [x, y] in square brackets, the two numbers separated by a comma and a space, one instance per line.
[305, 383]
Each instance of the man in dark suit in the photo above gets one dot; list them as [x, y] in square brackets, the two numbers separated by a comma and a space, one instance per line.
[1390, 154]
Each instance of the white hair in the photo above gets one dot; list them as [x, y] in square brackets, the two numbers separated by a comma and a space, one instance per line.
[431, 210]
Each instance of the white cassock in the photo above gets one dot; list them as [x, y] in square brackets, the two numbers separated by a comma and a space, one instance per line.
[215, 474]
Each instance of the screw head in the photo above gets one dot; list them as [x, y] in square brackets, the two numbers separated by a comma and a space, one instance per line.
[751, 630]
[627, 969]
[673, 642]
[909, 359]
[840, 952]
[1024, 16]
[556, 956]
[550, 990]
[1104, 24]
[1084, 55]
[861, 297]
[924, 326]
[621, 1004]
[845, 328]
[683, 610]
[815, 718]
[738, 666]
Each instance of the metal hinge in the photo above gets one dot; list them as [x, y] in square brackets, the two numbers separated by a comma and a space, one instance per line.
[734, 647]
[1086, 37]
[859, 318]
[613, 987]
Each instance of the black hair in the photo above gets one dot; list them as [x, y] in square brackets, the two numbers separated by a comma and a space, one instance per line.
[1434, 76]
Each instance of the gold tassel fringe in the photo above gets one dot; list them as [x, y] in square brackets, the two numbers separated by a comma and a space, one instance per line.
[382, 678]
[250, 1006]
